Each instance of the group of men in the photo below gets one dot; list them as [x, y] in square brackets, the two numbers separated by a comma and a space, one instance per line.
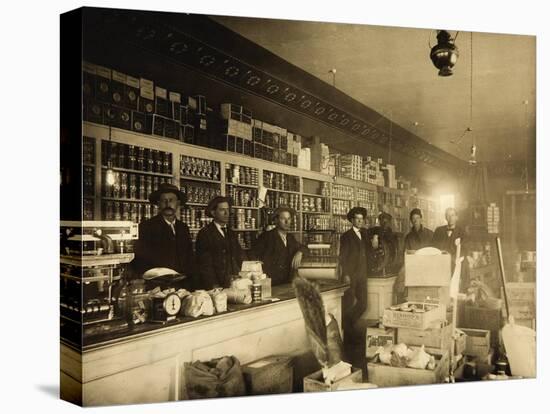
[165, 241]
[373, 251]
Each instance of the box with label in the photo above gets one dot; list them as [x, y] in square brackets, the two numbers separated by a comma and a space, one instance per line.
[158, 125]
[163, 106]
[388, 376]
[118, 83]
[427, 270]
[146, 99]
[103, 84]
[436, 336]
[139, 123]
[269, 375]
[377, 337]
[315, 382]
[122, 117]
[93, 111]
[131, 93]
[171, 129]
[416, 315]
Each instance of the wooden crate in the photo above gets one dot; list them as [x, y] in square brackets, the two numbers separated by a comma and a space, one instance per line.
[482, 318]
[440, 294]
[376, 337]
[478, 342]
[314, 382]
[388, 376]
[270, 375]
[432, 270]
[402, 319]
[436, 337]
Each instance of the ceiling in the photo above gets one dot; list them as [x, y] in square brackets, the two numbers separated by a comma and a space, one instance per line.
[388, 69]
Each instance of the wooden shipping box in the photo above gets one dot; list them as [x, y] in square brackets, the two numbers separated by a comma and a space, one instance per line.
[270, 375]
[314, 382]
[483, 318]
[478, 342]
[430, 270]
[377, 337]
[388, 376]
[415, 320]
[435, 337]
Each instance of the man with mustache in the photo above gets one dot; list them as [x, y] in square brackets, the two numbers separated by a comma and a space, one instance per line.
[164, 241]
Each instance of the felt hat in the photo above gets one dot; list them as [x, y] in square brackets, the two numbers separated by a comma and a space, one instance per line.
[281, 209]
[415, 211]
[167, 188]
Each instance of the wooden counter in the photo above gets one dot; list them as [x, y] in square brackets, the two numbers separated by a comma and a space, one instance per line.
[148, 366]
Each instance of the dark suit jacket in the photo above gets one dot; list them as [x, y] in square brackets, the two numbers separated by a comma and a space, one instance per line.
[218, 257]
[276, 258]
[350, 251]
[416, 240]
[157, 246]
[444, 242]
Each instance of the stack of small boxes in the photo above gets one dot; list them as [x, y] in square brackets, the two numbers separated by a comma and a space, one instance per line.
[370, 170]
[493, 218]
[274, 143]
[237, 129]
[389, 175]
[351, 166]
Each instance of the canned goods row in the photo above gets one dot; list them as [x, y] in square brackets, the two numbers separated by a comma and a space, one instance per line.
[237, 174]
[274, 200]
[245, 240]
[136, 158]
[341, 206]
[88, 150]
[195, 218]
[199, 168]
[317, 222]
[341, 224]
[279, 181]
[127, 211]
[243, 219]
[133, 186]
[243, 197]
[200, 194]
[342, 191]
[315, 204]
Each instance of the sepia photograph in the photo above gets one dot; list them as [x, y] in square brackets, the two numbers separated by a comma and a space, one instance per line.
[254, 206]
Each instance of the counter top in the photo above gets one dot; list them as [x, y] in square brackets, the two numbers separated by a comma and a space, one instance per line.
[283, 292]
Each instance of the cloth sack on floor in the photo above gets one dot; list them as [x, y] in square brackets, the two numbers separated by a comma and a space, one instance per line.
[220, 377]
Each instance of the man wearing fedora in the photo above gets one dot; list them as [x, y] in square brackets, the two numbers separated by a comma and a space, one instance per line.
[353, 264]
[219, 254]
[164, 241]
[279, 251]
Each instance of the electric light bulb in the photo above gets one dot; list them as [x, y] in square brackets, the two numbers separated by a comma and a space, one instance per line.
[110, 177]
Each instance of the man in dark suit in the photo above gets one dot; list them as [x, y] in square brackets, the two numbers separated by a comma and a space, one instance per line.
[445, 237]
[164, 241]
[419, 236]
[279, 251]
[219, 254]
[353, 264]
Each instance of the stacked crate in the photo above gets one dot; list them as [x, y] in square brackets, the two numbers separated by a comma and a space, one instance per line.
[493, 218]
[351, 166]
[237, 129]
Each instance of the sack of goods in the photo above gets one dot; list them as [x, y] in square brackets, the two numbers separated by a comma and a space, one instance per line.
[219, 298]
[401, 355]
[220, 377]
[238, 296]
[198, 303]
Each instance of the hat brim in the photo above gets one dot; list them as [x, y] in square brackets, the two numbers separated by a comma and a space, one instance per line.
[154, 197]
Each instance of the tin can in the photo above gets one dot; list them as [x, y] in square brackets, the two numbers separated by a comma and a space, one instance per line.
[256, 292]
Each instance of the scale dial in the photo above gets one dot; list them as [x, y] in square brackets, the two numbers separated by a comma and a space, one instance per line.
[172, 304]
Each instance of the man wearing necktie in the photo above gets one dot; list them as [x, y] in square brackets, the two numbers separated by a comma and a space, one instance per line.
[279, 251]
[444, 237]
[353, 265]
[164, 241]
[219, 254]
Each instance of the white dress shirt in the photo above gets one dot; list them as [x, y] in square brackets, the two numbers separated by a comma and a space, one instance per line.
[220, 228]
[357, 232]
[172, 225]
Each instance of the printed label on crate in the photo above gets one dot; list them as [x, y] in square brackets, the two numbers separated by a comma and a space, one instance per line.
[175, 97]
[160, 92]
[147, 94]
[118, 76]
[89, 67]
[146, 84]
[131, 81]
[104, 72]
